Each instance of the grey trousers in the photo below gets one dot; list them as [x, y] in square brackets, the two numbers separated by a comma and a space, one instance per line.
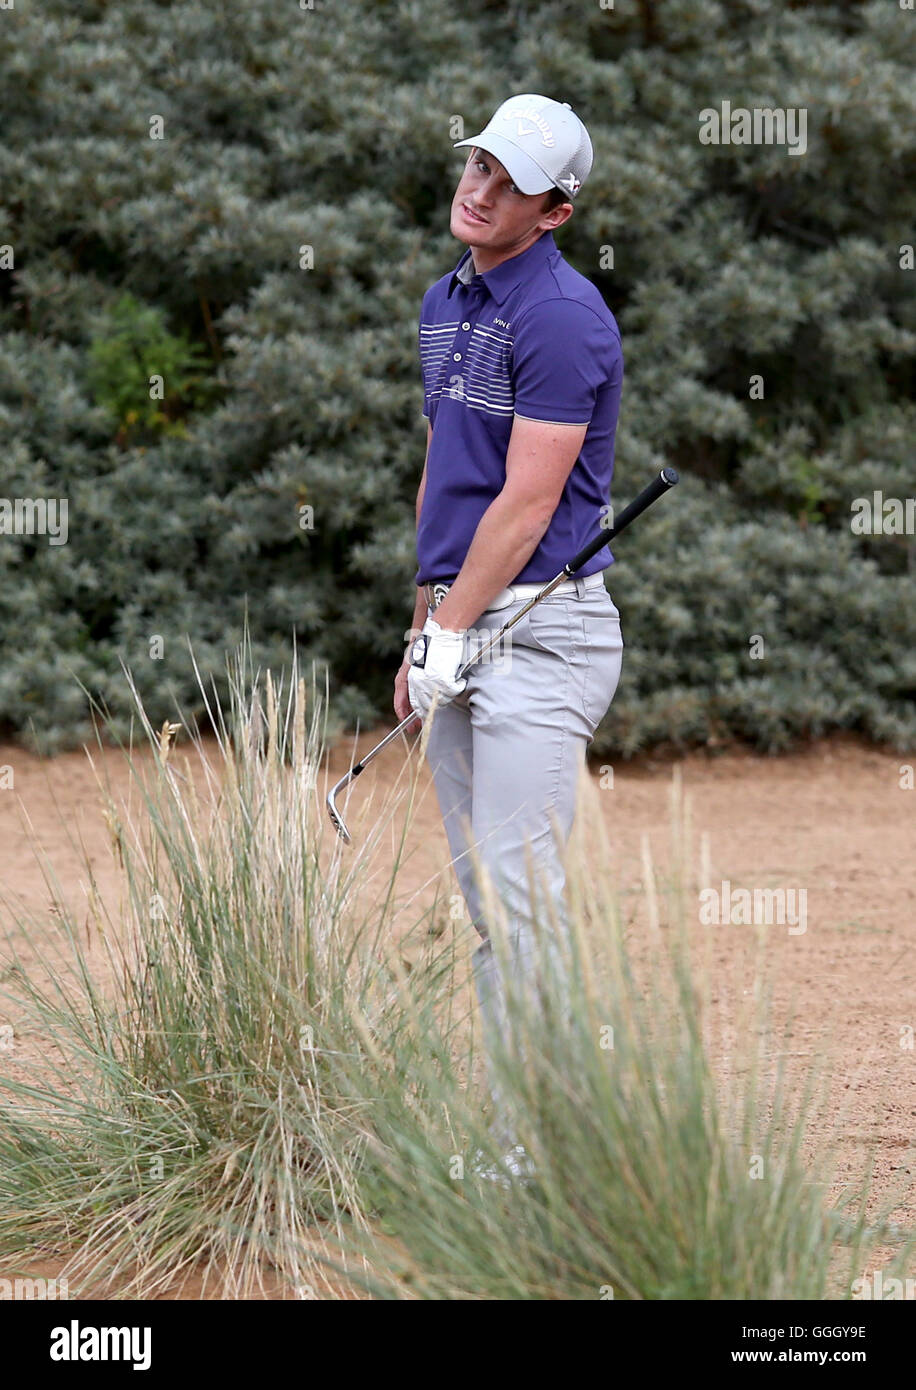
[506, 757]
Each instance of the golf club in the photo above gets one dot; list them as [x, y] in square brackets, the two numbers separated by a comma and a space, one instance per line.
[665, 480]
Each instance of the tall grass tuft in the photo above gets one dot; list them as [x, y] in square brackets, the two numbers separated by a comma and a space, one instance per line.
[664, 1167]
[176, 1109]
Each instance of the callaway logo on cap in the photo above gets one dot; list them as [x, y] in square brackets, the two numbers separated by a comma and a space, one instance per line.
[540, 143]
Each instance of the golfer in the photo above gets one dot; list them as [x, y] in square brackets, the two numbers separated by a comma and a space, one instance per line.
[522, 370]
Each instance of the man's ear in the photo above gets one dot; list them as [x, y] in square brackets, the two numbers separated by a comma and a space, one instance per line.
[557, 216]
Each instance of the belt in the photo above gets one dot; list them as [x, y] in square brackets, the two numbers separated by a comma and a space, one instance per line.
[436, 590]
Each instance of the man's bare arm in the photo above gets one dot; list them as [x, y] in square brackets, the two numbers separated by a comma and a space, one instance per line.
[539, 460]
[419, 612]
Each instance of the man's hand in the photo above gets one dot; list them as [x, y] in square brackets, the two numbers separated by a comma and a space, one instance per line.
[435, 659]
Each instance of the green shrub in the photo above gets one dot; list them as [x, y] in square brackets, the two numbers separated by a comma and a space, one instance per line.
[130, 349]
[268, 257]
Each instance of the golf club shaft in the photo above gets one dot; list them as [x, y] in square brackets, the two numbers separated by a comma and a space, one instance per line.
[665, 480]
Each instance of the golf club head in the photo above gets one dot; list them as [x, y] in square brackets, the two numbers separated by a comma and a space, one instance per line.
[336, 817]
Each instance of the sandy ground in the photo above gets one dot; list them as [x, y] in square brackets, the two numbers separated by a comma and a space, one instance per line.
[834, 821]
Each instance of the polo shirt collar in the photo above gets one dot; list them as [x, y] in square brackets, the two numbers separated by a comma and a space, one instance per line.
[503, 278]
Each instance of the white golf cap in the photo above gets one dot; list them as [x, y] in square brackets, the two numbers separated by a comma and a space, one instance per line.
[540, 143]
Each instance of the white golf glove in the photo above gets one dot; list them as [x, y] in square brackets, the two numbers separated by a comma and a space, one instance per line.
[435, 657]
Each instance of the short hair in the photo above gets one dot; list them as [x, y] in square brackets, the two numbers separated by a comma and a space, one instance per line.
[554, 198]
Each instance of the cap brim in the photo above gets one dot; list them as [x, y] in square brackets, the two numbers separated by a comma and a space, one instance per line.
[521, 168]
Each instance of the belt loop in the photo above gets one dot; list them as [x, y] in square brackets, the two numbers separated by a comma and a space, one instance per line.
[580, 588]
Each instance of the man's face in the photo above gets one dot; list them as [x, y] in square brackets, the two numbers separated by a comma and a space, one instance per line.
[490, 215]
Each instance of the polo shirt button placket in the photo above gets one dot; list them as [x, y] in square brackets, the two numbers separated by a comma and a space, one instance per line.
[465, 328]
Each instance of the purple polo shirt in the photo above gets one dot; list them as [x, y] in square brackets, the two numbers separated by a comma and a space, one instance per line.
[532, 337]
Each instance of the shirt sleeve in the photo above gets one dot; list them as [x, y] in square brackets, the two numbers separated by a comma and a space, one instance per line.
[423, 380]
[422, 373]
[562, 355]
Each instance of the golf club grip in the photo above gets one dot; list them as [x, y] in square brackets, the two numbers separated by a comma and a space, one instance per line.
[665, 480]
